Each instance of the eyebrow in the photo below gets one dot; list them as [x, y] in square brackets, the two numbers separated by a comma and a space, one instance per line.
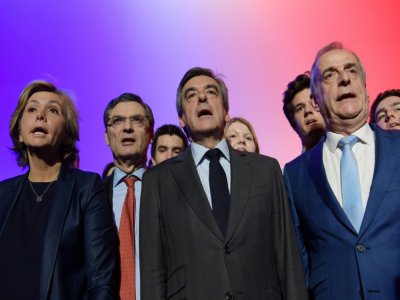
[345, 67]
[384, 109]
[50, 102]
[206, 87]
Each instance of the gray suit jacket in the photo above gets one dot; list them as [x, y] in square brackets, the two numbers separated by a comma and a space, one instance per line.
[184, 254]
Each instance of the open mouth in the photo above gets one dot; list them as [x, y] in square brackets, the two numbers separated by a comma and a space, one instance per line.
[39, 131]
[128, 141]
[204, 113]
[346, 96]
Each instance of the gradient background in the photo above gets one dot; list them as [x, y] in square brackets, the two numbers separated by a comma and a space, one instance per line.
[97, 50]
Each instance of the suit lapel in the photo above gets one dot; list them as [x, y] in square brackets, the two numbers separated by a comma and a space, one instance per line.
[108, 187]
[241, 176]
[386, 151]
[9, 198]
[187, 178]
[58, 212]
[318, 175]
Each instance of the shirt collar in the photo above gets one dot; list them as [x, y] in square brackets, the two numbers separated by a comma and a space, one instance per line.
[198, 151]
[365, 134]
[119, 175]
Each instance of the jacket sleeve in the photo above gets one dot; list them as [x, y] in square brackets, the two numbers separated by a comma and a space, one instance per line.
[153, 267]
[297, 225]
[288, 259]
[101, 244]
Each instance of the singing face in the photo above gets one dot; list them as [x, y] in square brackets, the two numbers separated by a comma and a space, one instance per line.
[203, 112]
[42, 124]
[128, 133]
[342, 95]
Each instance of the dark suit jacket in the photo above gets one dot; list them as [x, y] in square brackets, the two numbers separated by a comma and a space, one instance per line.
[343, 264]
[80, 249]
[183, 253]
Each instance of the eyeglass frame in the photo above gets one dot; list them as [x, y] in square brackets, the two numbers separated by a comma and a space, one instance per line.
[132, 119]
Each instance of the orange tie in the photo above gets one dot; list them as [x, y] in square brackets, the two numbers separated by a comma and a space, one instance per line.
[127, 242]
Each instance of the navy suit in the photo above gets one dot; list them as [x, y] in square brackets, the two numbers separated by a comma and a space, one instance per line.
[80, 252]
[340, 263]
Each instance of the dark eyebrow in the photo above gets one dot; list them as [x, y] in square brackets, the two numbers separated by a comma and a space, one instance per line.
[330, 69]
[191, 89]
[395, 103]
[211, 86]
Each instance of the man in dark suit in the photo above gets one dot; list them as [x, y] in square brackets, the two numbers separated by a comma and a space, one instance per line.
[348, 224]
[195, 245]
[129, 124]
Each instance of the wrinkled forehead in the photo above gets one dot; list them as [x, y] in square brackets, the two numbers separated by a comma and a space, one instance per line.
[199, 82]
[336, 58]
[127, 108]
[389, 102]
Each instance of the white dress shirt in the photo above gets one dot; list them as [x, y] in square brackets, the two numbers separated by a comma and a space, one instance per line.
[364, 151]
[203, 165]
[119, 193]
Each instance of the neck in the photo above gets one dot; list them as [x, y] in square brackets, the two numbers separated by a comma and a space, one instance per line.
[209, 141]
[346, 130]
[128, 166]
[41, 171]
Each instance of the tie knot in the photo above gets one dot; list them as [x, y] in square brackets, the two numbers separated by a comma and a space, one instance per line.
[213, 154]
[350, 140]
[130, 181]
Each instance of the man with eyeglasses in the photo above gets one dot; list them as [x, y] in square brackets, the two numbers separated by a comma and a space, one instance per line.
[129, 125]
[214, 223]
[345, 192]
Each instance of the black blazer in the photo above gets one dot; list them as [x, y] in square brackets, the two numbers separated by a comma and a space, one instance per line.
[183, 252]
[80, 252]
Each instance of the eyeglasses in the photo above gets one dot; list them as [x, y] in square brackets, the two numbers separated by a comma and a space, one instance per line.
[332, 74]
[117, 121]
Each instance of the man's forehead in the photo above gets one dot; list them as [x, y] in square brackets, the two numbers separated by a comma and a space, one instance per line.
[199, 82]
[389, 101]
[336, 58]
[169, 139]
[127, 108]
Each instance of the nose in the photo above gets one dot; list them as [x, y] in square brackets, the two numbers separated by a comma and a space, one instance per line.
[170, 154]
[41, 115]
[344, 78]
[241, 140]
[389, 114]
[128, 127]
[202, 97]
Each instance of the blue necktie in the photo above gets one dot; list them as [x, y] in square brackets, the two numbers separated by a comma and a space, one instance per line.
[350, 181]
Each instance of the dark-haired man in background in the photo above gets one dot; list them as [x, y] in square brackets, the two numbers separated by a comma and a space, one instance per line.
[168, 141]
[303, 116]
[385, 110]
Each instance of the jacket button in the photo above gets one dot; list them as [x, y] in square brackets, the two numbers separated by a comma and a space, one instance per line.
[228, 296]
[228, 250]
[360, 248]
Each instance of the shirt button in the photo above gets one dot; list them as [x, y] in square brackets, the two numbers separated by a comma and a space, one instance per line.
[228, 250]
[228, 296]
[360, 248]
